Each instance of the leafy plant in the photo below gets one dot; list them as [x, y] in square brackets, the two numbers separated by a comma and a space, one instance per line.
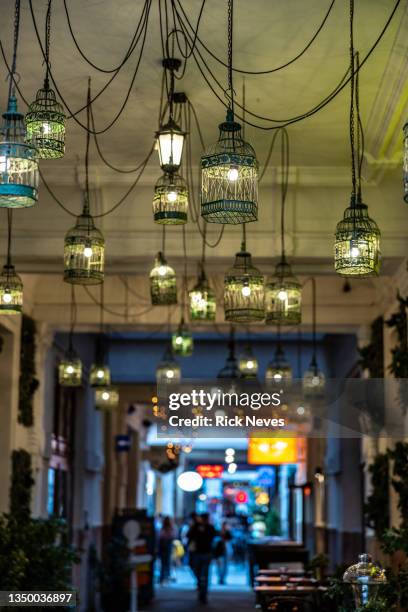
[28, 383]
[399, 354]
[376, 509]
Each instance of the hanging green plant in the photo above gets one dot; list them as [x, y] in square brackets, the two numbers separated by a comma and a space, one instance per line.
[28, 383]
[376, 510]
[372, 354]
[399, 354]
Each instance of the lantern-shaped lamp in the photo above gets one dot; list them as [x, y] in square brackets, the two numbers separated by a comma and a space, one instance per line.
[45, 125]
[365, 578]
[11, 291]
[278, 371]
[99, 375]
[84, 252]
[163, 283]
[202, 300]
[182, 341]
[106, 398]
[229, 178]
[168, 371]
[248, 364]
[313, 380]
[283, 297]
[170, 142]
[406, 162]
[244, 291]
[357, 245]
[18, 162]
[70, 372]
[170, 200]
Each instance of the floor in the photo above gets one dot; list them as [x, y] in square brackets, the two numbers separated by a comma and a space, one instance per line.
[181, 596]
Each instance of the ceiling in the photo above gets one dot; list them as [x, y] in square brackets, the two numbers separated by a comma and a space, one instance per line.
[268, 35]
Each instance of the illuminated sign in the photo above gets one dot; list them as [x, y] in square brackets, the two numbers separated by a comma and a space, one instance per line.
[275, 451]
[241, 497]
[210, 471]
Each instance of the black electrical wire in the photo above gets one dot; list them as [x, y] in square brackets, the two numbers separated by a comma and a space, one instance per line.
[253, 72]
[124, 103]
[127, 55]
[114, 312]
[195, 30]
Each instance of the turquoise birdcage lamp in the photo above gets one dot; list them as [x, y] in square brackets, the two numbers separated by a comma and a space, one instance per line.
[18, 162]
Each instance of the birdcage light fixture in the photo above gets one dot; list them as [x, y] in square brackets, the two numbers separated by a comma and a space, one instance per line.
[170, 137]
[170, 200]
[283, 296]
[279, 370]
[182, 340]
[168, 371]
[244, 290]
[106, 397]
[163, 283]
[99, 375]
[70, 371]
[248, 364]
[84, 251]
[11, 291]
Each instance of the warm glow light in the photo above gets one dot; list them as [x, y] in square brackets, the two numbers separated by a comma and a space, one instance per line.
[162, 270]
[7, 297]
[179, 340]
[190, 481]
[88, 252]
[233, 174]
[246, 291]
[170, 374]
[283, 295]
[70, 369]
[315, 381]
[105, 395]
[100, 373]
[300, 410]
[172, 196]
[275, 451]
[355, 251]
[210, 471]
[250, 365]
[46, 129]
[277, 376]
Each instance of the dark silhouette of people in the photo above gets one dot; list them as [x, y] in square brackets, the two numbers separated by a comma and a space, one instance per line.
[221, 552]
[167, 535]
[200, 545]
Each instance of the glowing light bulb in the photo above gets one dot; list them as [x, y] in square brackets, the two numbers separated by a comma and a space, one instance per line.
[179, 340]
[46, 128]
[100, 374]
[4, 163]
[246, 291]
[229, 451]
[105, 396]
[70, 369]
[250, 365]
[355, 251]
[232, 468]
[172, 196]
[277, 376]
[315, 381]
[283, 295]
[7, 297]
[88, 252]
[233, 174]
[300, 410]
[170, 374]
[162, 270]
[229, 459]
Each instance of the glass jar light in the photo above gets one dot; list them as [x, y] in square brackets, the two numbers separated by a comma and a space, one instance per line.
[84, 253]
[170, 200]
[283, 297]
[11, 291]
[229, 177]
[70, 372]
[244, 291]
[18, 162]
[163, 283]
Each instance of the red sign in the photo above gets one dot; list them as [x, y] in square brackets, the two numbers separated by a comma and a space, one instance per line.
[210, 471]
[241, 497]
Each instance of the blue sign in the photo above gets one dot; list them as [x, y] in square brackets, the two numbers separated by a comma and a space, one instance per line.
[122, 444]
[266, 477]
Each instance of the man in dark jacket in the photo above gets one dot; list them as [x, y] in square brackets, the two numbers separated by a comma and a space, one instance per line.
[200, 538]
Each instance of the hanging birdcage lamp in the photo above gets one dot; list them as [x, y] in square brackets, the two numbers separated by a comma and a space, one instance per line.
[357, 237]
[231, 370]
[229, 178]
[70, 371]
[248, 363]
[283, 296]
[45, 124]
[170, 200]
[163, 283]
[84, 251]
[106, 397]
[99, 375]
[357, 246]
[202, 300]
[168, 371]
[182, 340]
[18, 162]
[11, 291]
[279, 370]
[244, 290]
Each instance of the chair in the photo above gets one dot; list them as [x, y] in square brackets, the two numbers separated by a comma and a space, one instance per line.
[289, 604]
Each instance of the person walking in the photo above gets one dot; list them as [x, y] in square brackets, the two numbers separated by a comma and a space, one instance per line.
[200, 538]
[167, 535]
[221, 552]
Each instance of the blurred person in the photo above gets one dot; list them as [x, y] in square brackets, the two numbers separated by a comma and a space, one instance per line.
[200, 538]
[167, 535]
[221, 552]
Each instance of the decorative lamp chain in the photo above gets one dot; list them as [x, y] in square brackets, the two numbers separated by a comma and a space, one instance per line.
[163, 247]
[360, 133]
[185, 288]
[352, 86]
[15, 46]
[47, 45]
[88, 138]
[9, 227]
[230, 33]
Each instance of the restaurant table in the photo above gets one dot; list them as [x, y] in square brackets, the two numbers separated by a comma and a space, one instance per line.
[265, 551]
[285, 571]
[265, 593]
[283, 579]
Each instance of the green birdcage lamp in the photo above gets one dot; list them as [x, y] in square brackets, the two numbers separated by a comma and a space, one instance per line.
[168, 371]
[248, 363]
[283, 296]
[279, 370]
[106, 397]
[99, 375]
[202, 300]
[163, 283]
[244, 290]
[182, 340]
[170, 200]
[11, 285]
[70, 371]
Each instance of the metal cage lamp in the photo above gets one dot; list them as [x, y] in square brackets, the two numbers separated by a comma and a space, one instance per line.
[99, 375]
[244, 290]
[45, 124]
[170, 200]
[11, 285]
[182, 340]
[84, 251]
[106, 398]
[279, 370]
[18, 162]
[357, 245]
[203, 305]
[70, 371]
[283, 296]
[248, 364]
[229, 178]
[163, 283]
[168, 371]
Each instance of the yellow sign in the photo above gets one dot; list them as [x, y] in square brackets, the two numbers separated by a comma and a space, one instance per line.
[275, 451]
